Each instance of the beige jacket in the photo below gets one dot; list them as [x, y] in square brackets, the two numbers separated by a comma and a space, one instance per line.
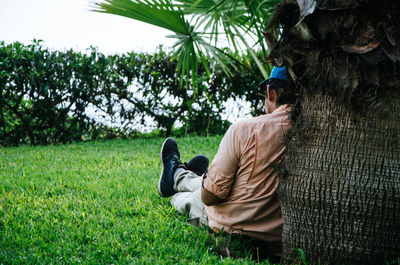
[242, 173]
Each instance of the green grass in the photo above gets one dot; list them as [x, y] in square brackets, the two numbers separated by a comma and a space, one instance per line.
[97, 203]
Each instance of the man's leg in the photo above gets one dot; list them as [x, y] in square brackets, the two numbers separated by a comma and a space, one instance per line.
[183, 184]
[170, 160]
[187, 200]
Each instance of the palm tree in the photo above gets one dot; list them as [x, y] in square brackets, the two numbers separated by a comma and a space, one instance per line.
[199, 26]
[340, 195]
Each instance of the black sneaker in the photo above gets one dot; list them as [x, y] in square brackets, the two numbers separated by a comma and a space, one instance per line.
[198, 164]
[170, 160]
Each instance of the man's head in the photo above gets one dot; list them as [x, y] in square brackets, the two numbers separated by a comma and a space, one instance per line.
[277, 89]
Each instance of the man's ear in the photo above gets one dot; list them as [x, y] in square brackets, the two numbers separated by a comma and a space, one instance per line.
[271, 94]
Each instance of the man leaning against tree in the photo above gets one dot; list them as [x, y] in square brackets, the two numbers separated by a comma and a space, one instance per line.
[238, 193]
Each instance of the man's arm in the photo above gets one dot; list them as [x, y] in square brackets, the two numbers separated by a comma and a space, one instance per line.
[217, 182]
[208, 198]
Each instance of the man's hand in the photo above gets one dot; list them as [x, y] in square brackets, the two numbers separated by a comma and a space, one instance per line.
[208, 198]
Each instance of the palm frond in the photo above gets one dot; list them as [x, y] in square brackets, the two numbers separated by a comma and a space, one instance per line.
[161, 13]
[238, 21]
[190, 52]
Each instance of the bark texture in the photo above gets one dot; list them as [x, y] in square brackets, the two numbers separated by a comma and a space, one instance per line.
[341, 197]
[340, 188]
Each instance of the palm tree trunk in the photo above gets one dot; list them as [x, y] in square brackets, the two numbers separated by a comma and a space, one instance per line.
[341, 195]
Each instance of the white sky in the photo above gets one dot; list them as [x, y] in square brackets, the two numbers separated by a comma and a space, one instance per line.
[66, 24]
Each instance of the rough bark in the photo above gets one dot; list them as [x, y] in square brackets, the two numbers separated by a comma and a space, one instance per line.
[341, 197]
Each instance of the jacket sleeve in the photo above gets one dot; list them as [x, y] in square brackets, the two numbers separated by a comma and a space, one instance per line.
[222, 171]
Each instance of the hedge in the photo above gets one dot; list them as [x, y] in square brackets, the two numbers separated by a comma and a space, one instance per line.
[50, 97]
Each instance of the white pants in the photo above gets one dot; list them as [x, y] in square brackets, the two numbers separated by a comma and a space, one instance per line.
[187, 200]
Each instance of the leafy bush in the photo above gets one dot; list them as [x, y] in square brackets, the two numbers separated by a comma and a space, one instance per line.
[57, 97]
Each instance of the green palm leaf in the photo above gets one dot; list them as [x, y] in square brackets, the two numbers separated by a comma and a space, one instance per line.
[191, 48]
[238, 21]
[159, 13]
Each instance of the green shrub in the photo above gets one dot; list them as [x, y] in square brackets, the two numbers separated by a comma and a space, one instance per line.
[58, 97]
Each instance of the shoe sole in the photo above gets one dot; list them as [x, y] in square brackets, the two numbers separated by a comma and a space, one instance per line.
[162, 171]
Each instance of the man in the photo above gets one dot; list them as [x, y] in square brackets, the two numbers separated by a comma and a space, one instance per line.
[238, 193]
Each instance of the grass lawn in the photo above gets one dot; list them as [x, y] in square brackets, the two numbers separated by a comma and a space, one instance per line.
[97, 203]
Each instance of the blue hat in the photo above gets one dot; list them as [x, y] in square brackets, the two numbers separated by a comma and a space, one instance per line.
[278, 72]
